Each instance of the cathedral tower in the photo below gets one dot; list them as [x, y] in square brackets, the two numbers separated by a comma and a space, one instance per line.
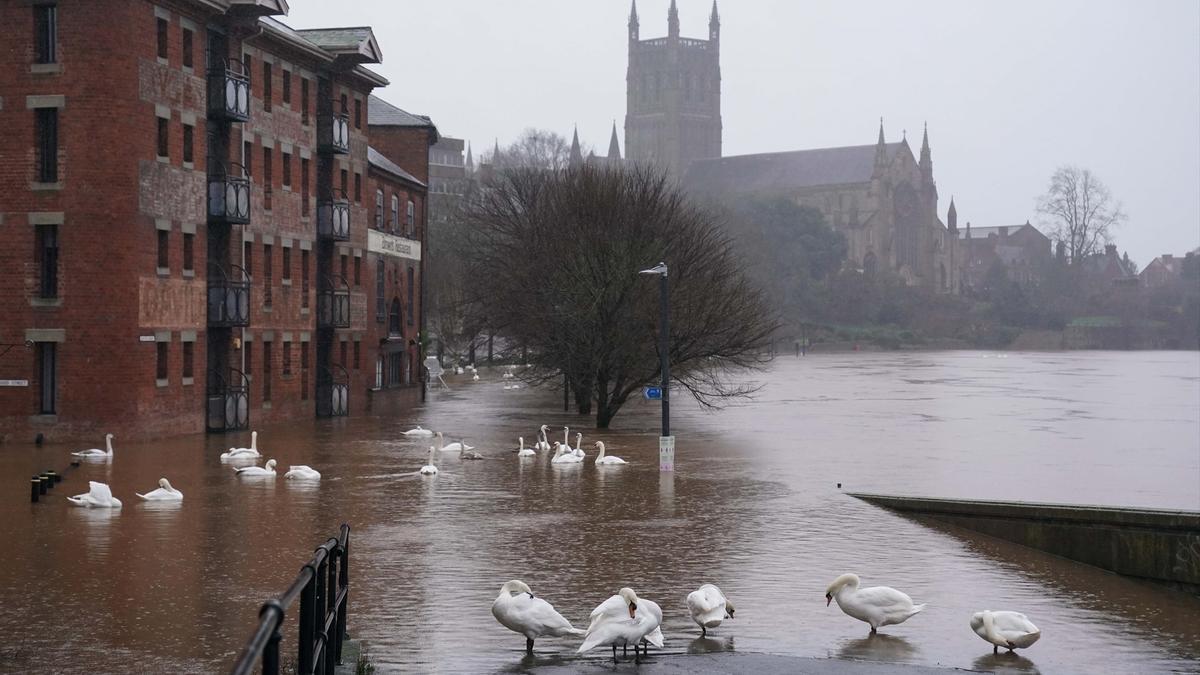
[673, 95]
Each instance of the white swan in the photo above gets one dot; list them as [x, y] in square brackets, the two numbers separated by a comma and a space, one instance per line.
[458, 370]
[475, 377]
[577, 450]
[607, 459]
[543, 443]
[563, 455]
[451, 447]
[624, 619]
[467, 454]
[430, 469]
[1011, 630]
[518, 610]
[302, 472]
[99, 496]
[244, 453]
[97, 452]
[878, 605]
[164, 493]
[418, 432]
[259, 471]
[708, 606]
[524, 451]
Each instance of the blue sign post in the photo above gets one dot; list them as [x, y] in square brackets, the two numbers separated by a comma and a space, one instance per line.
[652, 393]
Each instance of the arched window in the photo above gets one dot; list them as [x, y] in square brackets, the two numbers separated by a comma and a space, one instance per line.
[395, 213]
[379, 209]
[394, 318]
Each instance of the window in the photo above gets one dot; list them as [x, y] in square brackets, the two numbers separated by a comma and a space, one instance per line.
[247, 256]
[247, 70]
[47, 377]
[304, 100]
[303, 371]
[164, 259]
[164, 131]
[287, 169]
[357, 353]
[45, 28]
[189, 359]
[47, 259]
[379, 372]
[287, 358]
[343, 351]
[303, 278]
[248, 359]
[357, 187]
[189, 138]
[162, 38]
[268, 272]
[412, 217]
[358, 270]
[247, 156]
[266, 89]
[358, 113]
[304, 207]
[345, 193]
[287, 264]
[395, 213]
[394, 318]
[189, 251]
[345, 107]
[380, 292]
[378, 208]
[287, 87]
[46, 138]
[268, 178]
[410, 296]
[162, 349]
[266, 383]
[344, 268]
[187, 52]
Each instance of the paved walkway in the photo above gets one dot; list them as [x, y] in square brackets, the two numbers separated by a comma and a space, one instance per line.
[734, 662]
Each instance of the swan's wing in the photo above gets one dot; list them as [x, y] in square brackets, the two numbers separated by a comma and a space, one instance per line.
[99, 492]
[655, 637]
[549, 622]
[705, 600]
[612, 608]
[1013, 625]
[883, 597]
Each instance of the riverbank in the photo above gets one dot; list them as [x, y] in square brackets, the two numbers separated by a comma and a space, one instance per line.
[735, 662]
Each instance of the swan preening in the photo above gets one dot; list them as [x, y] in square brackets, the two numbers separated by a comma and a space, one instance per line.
[624, 619]
[564, 455]
[99, 496]
[252, 471]
[524, 451]
[430, 469]
[302, 472]
[418, 432]
[1011, 630]
[97, 452]
[709, 607]
[451, 447]
[607, 459]
[877, 605]
[164, 493]
[244, 453]
[518, 610]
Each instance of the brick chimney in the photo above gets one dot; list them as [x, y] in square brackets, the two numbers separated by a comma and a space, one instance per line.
[1110, 250]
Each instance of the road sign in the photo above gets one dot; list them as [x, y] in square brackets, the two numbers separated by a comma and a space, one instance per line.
[652, 393]
[666, 453]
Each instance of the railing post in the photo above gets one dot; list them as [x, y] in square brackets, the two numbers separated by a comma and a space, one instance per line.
[307, 606]
[332, 643]
[343, 583]
[319, 612]
[270, 658]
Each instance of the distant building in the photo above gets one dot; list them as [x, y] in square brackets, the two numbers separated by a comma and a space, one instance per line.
[1165, 270]
[1109, 268]
[448, 171]
[1023, 250]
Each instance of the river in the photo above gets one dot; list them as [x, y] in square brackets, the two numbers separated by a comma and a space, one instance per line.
[753, 507]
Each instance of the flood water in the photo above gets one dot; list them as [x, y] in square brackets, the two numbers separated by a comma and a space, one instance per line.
[752, 507]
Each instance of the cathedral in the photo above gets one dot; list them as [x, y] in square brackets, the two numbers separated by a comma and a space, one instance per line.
[881, 196]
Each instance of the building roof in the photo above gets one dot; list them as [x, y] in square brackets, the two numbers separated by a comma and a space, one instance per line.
[783, 171]
[382, 113]
[358, 42]
[304, 40]
[377, 160]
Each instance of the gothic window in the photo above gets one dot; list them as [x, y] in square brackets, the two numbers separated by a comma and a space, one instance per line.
[869, 265]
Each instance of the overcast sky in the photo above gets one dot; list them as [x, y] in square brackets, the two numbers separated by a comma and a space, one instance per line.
[1011, 89]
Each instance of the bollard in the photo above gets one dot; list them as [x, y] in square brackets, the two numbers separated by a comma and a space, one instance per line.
[34, 489]
[42, 480]
[49, 479]
[55, 477]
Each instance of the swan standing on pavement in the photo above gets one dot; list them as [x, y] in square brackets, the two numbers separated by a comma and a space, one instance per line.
[607, 459]
[257, 471]
[430, 469]
[709, 607]
[302, 472]
[518, 610]
[99, 496]
[97, 452]
[164, 493]
[451, 447]
[244, 453]
[524, 451]
[563, 455]
[1011, 630]
[624, 619]
[878, 605]
[418, 432]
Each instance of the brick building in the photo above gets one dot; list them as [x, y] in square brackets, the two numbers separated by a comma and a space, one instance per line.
[184, 224]
[1022, 249]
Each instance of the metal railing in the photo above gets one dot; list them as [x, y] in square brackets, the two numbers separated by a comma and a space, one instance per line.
[323, 587]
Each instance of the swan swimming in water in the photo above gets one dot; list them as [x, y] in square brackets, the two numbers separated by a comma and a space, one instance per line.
[563, 455]
[97, 452]
[164, 493]
[260, 471]
[244, 453]
[709, 607]
[99, 496]
[418, 432]
[467, 454]
[543, 443]
[451, 447]
[608, 459]
[302, 472]
[1011, 630]
[524, 451]
[878, 605]
[518, 610]
[430, 469]
[577, 450]
[624, 619]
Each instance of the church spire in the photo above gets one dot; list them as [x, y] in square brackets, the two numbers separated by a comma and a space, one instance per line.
[496, 154]
[673, 21]
[614, 148]
[633, 23]
[470, 164]
[926, 157]
[952, 217]
[880, 150]
[576, 154]
[714, 24]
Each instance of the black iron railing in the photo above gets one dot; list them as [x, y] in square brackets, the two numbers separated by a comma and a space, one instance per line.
[229, 91]
[333, 392]
[333, 302]
[228, 195]
[333, 133]
[227, 400]
[323, 587]
[333, 216]
[228, 296]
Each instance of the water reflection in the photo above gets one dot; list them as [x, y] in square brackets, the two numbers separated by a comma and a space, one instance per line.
[706, 645]
[879, 647]
[1007, 662]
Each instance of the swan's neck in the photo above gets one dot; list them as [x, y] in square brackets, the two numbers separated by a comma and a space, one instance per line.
[567, 436]
[601, 447]
[989, 629]
[254, 441]
[522, 439]
[439, 441]
[108, 445]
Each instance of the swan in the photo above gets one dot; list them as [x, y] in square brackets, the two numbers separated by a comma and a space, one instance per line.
[577, 450]
[467, 454]
[878, 605]
[543, 443]
[475, 377]
[164, 493]
[708, 607]
[418, 432]
[518, 610]
[524, 451]
[458, 370]
[302, 472]
[244, 453]
[252, 471]
[1011, 630]
[624, 619]
[430, 469]
[608, 459]
[97, 452]
[562, 455]
[99, 496]
[452, 447]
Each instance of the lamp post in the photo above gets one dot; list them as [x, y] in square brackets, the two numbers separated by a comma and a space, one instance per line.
[666, 442]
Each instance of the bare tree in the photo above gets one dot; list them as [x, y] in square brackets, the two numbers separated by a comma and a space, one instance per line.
[537, 149]
[555, 257]
[1080, 211]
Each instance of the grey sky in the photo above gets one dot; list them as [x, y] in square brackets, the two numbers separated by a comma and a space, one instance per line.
[1011, 89]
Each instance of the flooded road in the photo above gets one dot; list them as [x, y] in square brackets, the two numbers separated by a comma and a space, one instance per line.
[752, 507]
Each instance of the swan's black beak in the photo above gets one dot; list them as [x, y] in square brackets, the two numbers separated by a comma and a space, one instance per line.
[530, 595]
[632, 610]
[828, 599]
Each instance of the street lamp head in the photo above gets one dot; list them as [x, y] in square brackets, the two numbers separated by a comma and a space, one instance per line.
[660, 268]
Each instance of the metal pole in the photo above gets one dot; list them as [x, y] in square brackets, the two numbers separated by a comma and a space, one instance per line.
[664, 325]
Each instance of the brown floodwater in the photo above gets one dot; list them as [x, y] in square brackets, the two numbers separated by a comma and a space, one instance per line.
[752, 507]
